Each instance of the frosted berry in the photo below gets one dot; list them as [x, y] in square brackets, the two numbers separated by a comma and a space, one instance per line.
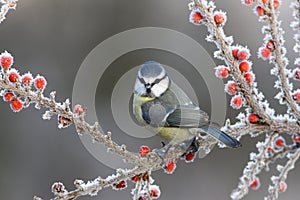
[248, 2]
[121, 185]
[58, 188]
[265, 53]
[170, 167]
[296, 74]
[220, 18]
[16, 105]
[136, 178]
[243, 54]
[296, 96]
[253, 118]
[245, 66]
[255, 184]
[145, 176]
[235, 52]
[154, 191]
[78, 109]
[6, 60]
[270, 45]
[276, 4]
[40, 82]
[189, 157]
[236, 102]
[296, 138]
[260, 11]
[269, 149]
[63, 122]
[8, 96]
[144, 150]
[27, 79]
[142, 198]
[196, 17]
[282, 186]
[249, 77]
[279, 142]
[13, 76]
[222, 72]
[231, 87]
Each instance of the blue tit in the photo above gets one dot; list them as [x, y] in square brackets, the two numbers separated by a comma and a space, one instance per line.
[163, 107]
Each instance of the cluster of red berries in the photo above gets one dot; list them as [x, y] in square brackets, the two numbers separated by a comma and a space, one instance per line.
[12, 76]
[265, 51]
[241, 55]
[196, 17]
[259, 10]
[154, 189]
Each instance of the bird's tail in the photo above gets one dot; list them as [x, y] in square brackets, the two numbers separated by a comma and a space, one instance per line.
[223, 137]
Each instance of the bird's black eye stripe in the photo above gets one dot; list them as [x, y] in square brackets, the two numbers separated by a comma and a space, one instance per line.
[157, 80]
[141, 80]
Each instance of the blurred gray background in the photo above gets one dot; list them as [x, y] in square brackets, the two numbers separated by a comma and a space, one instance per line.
[52, 38]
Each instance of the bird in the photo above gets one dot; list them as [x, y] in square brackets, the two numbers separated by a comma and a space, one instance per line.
[163, 107]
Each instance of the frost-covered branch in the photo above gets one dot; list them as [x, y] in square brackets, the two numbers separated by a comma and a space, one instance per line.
[5, 7]
[238, 68]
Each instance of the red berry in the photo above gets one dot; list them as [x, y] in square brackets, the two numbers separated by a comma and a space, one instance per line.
[6, 60]
[189, 157]
[296, 74]
[265, 53]
[219, 18]
[296, 96]
[231, 87]
[244, 66]
[142, 198]
[249, 77]
[13, 76]
[260, 11]
[253, 118]
[120, 185]
[236, 102]
[78, 109]
[144, 150]
[16, 105]
[270, 45]
[282, 186]
[276, 4]
[234, 52]
[269, 149]
[170, 168]
[243, 54]
[8, 96]
[136, 178]
[264, 1]
[279, 142]
[248, 2]
[145, 176]
[196, 17]
[154, 191]
[58, 188]
[40, 82]
[222, 72]
[255, 184]
[27, 79]
[296, 138]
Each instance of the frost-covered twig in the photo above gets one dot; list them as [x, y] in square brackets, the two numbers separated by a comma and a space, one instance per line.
[279, 181]
[5, 7]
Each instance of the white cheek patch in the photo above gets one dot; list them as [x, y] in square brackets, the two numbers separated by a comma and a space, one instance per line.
[161, 87]
[139, 88]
